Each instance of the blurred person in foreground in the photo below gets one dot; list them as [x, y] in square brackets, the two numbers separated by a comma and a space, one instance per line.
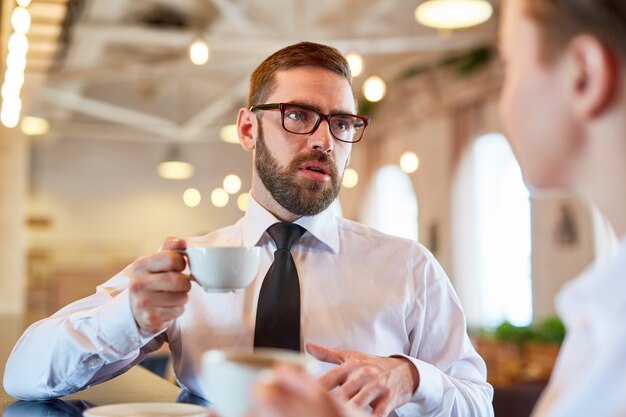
[564, 109]
[380, 309]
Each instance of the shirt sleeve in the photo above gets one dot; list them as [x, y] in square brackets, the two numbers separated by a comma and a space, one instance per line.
[87, 342]
[453, 377]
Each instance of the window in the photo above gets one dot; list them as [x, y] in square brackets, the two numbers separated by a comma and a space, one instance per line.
[492, 235]
[391, 205]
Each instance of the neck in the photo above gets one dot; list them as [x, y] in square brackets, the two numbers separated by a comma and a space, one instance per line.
[603, 175]
[265, 199]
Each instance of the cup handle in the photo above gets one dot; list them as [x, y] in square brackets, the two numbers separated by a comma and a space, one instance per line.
[188, 267]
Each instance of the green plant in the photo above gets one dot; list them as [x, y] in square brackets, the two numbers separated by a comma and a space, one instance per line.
[548, 330]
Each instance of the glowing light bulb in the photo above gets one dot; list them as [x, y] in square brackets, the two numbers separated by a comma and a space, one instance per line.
[229, 134]
[242, 202]
[409, 162]
[453, 14]
[192, 197]
[219, 197]
[199, 52]
[356, 63]
[232, 184]
[350, 178]
[20, 20]
[374, 89]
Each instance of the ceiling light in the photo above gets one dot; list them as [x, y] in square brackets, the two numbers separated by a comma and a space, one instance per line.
[350, 178]
[10, 112]
[34, 126]
[242, 202]
[232, 184]
[199, 52]
[14, 77]
[173, 168]
[409, 162]
[229, 134]
[23, 3]
[18, 43]
[16, 61]
[20, 20]
[453, 14]
[374, 89]
[10, 90]
[192, 197]
[219, 197]
[356, 63]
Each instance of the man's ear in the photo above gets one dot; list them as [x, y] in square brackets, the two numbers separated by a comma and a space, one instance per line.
[247, 125]
[595, 70]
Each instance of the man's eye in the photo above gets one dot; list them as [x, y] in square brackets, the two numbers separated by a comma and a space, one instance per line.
[296, 115]
[343, 124]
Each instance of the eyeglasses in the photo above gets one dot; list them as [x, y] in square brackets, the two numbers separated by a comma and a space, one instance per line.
[303, 120]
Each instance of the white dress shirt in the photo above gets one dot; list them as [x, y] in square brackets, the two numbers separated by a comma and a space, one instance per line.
[589, 378]
[360, 290]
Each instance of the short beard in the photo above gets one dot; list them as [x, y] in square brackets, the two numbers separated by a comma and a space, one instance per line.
[301, 197]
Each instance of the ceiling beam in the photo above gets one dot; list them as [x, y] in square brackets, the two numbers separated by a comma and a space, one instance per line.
[117, 33]
[234, 14]
[214, 110]
[112, 113]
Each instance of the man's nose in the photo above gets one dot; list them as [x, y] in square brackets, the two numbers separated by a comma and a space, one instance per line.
[322, 139]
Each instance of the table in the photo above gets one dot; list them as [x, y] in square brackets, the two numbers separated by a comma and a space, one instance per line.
[136, 385]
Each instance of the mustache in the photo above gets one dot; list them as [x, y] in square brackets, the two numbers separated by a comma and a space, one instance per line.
[317, 156]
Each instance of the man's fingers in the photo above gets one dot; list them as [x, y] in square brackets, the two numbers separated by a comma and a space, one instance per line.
[174, 243]
[382, 407]
[165, 261]
[326, 354]
[294, 380]
[366, 396]
[355, 383]
[334, 377]
[164, 281]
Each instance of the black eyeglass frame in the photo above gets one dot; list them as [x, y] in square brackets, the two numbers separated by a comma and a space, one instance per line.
[327, 117]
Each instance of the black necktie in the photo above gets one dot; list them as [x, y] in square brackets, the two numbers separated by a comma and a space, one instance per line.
[278, 309]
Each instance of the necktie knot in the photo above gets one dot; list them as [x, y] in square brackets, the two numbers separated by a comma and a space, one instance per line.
[285, 234]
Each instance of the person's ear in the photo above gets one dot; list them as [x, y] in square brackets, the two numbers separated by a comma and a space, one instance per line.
[594, 75]
[246, 129]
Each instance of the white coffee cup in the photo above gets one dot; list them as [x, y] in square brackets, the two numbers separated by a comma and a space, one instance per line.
[228, 375]
[222, 269]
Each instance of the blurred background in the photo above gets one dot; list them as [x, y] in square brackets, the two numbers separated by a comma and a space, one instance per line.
[98, 94]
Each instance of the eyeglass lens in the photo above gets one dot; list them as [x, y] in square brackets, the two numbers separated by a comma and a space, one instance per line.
[301, 120]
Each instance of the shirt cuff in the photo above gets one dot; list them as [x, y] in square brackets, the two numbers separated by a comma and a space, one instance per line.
[118, 328]
[429, 393]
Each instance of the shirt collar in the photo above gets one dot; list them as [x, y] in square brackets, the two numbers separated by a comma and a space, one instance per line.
[322, 226]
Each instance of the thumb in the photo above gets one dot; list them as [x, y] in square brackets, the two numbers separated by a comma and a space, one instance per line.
[174, 243]
[326, 354]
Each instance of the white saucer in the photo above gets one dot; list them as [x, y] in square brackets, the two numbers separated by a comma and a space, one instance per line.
[147, 410]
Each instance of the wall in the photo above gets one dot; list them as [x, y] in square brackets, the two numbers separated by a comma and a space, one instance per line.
[13, 179]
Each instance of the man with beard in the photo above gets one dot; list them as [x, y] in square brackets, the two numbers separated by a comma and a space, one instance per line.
[563, 106]
[379, 308]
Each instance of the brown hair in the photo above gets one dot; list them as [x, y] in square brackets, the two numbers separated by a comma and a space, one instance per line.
[561, 20]
[303, 54]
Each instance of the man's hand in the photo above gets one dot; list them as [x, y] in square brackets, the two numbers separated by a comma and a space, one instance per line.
[382, 383]
[158, 289]
[293, 393]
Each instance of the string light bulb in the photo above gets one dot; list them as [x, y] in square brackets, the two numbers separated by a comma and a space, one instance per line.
[199, 52]
[356, 63]
[374, 89]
